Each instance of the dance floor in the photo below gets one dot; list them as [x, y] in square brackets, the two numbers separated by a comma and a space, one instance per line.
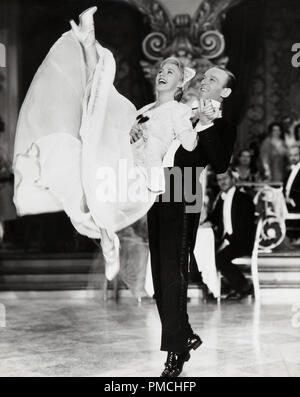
[86, 337]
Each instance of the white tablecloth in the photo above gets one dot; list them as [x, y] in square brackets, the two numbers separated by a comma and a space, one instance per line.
[204, 252]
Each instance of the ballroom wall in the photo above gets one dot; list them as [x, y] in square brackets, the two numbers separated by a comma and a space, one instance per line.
[258, 36]
[273, 84]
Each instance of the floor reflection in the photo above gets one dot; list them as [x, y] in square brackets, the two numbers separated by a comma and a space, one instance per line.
[95, 338]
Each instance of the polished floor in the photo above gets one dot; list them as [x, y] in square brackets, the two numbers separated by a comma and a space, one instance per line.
[89, 337]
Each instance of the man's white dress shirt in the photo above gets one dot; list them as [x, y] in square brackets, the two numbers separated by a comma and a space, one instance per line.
[227, 197]
[293, 174]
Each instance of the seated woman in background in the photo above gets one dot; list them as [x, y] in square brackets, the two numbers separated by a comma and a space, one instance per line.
[273, 154]
[245, 167]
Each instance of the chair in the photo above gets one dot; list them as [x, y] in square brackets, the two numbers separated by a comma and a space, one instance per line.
[291, 216]
[244, 262]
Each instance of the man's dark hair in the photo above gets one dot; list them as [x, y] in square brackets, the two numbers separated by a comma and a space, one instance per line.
[230, 172]
[295, 146]
[231, 80]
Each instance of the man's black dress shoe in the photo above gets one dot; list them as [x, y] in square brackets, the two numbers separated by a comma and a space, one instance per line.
[174, 364]
[210, 298]
[235, 295]
[194, 342]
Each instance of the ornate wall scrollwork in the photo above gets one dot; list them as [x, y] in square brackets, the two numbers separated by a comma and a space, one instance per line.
[213, 44]
[196, 40]
[154, 45]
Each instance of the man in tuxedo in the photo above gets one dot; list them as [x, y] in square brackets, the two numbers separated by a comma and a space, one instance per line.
[234, 226]
[172, 228]
[292, 183]
[291, 189]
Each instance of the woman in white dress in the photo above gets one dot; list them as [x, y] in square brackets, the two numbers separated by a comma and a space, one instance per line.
[73, 139]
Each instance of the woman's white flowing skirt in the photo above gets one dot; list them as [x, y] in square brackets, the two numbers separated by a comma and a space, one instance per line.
[72, 148]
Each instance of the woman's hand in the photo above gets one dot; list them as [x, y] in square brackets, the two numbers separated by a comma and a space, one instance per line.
[206, 111]
[291, 202]
[267, 173]
[135, 134]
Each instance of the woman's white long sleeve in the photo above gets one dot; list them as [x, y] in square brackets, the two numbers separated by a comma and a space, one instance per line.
[183, 127]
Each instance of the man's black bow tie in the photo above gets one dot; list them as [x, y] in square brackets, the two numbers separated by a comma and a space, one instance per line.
[142, 119]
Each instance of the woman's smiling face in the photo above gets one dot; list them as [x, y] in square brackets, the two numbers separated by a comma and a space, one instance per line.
[168, 78]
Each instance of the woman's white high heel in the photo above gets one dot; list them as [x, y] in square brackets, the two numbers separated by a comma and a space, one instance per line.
[111, 253]
[86, 19]
[85, 31]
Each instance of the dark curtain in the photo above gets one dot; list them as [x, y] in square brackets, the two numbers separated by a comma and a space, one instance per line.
[243, 32]
[119, 27]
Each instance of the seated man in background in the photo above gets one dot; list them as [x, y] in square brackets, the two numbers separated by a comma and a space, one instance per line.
[233, 221]
[291, 190]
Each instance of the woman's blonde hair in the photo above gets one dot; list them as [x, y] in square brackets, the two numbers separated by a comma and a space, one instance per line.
[175, 61]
